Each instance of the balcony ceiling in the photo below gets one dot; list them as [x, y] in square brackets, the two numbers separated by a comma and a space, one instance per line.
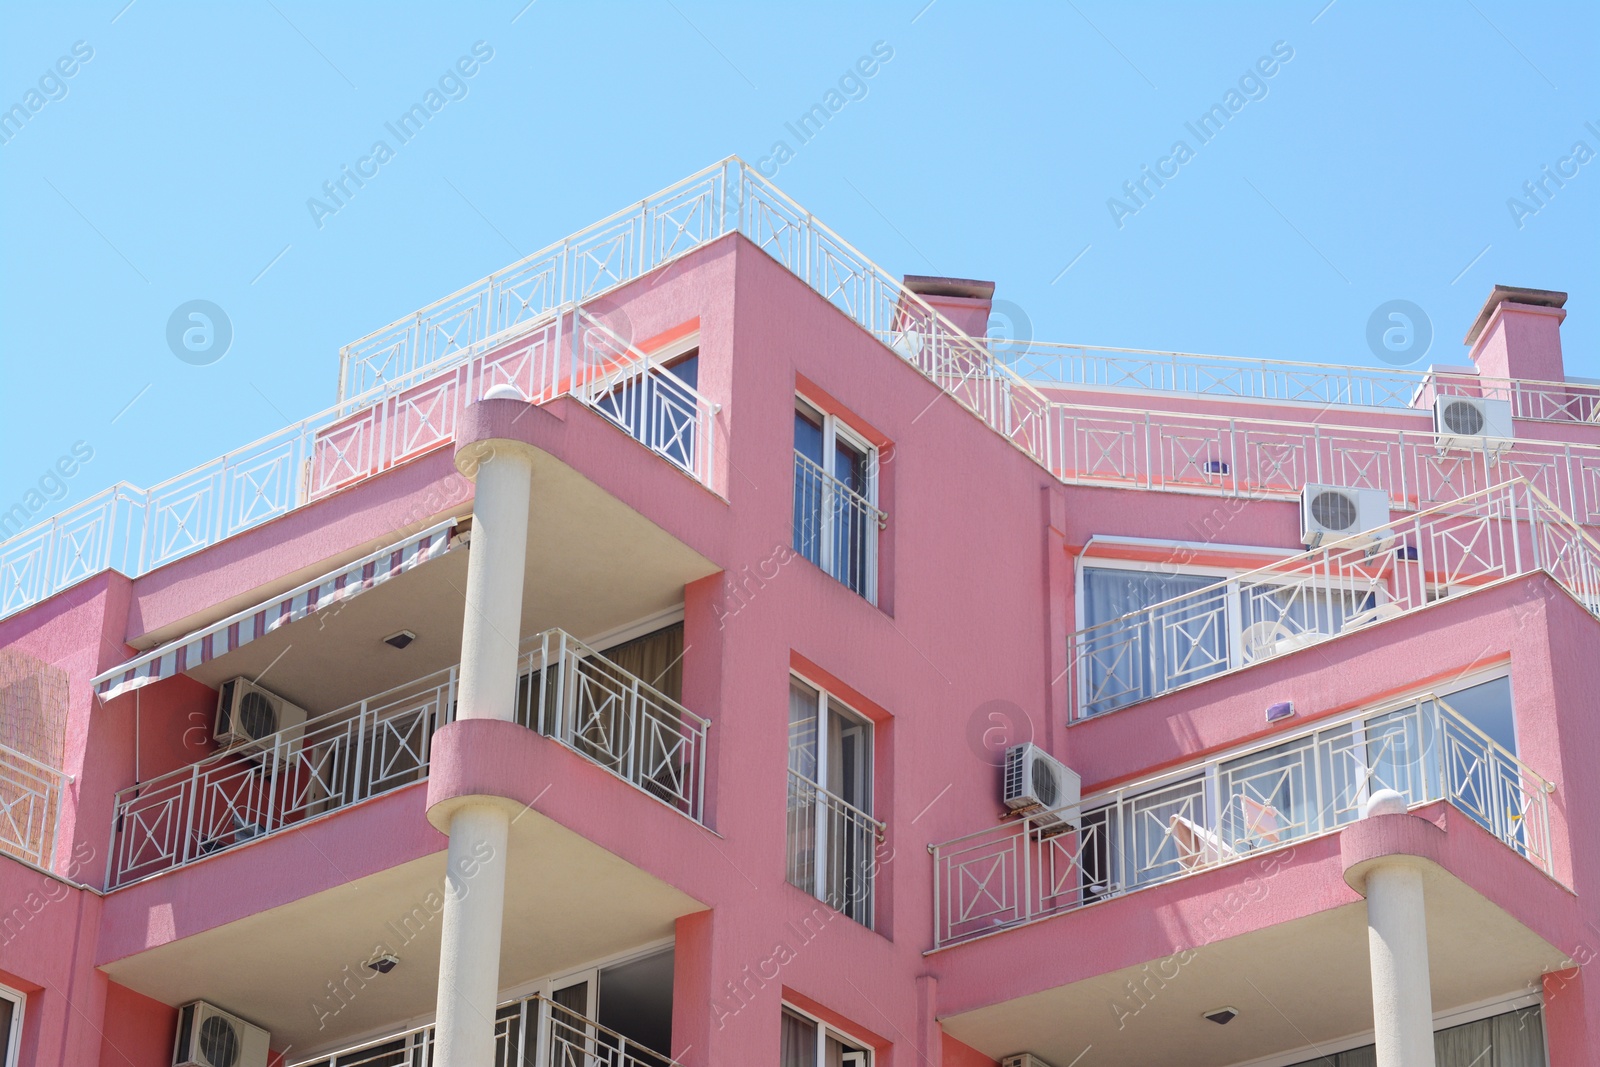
[593, 564]
[568, 902]
[1296, 984]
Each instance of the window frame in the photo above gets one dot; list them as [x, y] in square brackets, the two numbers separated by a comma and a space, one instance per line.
[863, 1055]
[11, 1052]
[821, 848]
[834, 430]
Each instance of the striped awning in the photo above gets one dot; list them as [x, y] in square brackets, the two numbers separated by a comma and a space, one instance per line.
[191, 650]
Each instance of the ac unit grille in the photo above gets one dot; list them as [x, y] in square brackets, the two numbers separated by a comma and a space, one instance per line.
[1044, 784]
[258, 716]
[1334, 511]
[219, 1041]
[1463, 418]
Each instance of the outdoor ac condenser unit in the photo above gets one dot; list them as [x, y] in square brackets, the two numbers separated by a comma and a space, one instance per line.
[1022, 1059]
[211, 1037]
[1040, 786]
[1331, 512]
[1472, 422]
[247, 714]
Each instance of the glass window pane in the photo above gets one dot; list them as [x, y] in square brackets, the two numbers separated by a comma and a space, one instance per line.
[803, 729]
[1488, 707]
[808, 435]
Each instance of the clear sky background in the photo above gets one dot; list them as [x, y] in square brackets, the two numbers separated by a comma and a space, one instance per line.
[176, 164]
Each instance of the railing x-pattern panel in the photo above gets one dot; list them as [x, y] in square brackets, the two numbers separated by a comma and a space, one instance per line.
[568, 692]
[1231, 807]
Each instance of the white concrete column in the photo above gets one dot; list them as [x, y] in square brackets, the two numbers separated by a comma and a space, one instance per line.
[1397, 939]
[474, 902]
[469, 955]
[490, 633]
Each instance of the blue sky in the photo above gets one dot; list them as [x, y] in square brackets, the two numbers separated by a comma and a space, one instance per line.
[177, 161]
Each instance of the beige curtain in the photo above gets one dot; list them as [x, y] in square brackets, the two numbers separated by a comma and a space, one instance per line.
[657, 658]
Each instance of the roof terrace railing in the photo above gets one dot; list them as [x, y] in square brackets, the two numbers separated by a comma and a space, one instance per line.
[1490, 536]
[1232, 807]
[566, 352]
[567, 692]
[30, 807]
[1050, 365]
[1275, 459]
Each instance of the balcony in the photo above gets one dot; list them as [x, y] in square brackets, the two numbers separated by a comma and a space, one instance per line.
[1233, 807]
[566, 691]
[833, 849]
[564, 353]
[1495, 535]
[836, 527]
[30, 807]
[532, 1032]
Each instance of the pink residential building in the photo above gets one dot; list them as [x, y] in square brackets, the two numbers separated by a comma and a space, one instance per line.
[694, 645]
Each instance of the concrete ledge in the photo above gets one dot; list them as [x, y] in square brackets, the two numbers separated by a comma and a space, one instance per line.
[1367, 842]
[491, 425]
[483, 761]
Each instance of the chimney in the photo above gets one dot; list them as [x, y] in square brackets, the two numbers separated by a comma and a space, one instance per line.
[1518, 335]
[963, 301]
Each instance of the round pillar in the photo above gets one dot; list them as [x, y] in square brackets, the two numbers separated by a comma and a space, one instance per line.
[474, 900]
[1397, 940]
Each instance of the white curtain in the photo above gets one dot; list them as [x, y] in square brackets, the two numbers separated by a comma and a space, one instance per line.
[799, 1042]
[1153, 652]
[1515, 1039]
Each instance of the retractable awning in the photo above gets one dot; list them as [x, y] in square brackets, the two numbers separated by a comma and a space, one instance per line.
[241, 628]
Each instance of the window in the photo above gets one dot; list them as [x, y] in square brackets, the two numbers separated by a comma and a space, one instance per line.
[808, 1042]
[836, 516]
[832, 835]
[11, 1003]
[1146, 631]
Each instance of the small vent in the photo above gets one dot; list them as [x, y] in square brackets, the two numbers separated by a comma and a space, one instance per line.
[257, 715]
[1464, 419]
[219, 1041]
[1334, 511]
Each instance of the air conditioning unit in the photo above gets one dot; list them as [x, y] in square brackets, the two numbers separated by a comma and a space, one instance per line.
[210, 1037]
[247, 713]
[1036, 784]
[1331, 512]
[1022, 1059]
[1472, 422]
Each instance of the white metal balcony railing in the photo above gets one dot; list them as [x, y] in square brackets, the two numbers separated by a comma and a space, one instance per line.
[532, 1032]
[836, 527]
[136, 530]
[1497, 534]
[833, 849]
[389, 413]
[31, 795]
[1272, 459]
[1232, 807]
[382, 743]
[1051, 365]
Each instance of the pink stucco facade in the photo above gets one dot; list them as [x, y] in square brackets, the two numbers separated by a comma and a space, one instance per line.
[961, 646]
